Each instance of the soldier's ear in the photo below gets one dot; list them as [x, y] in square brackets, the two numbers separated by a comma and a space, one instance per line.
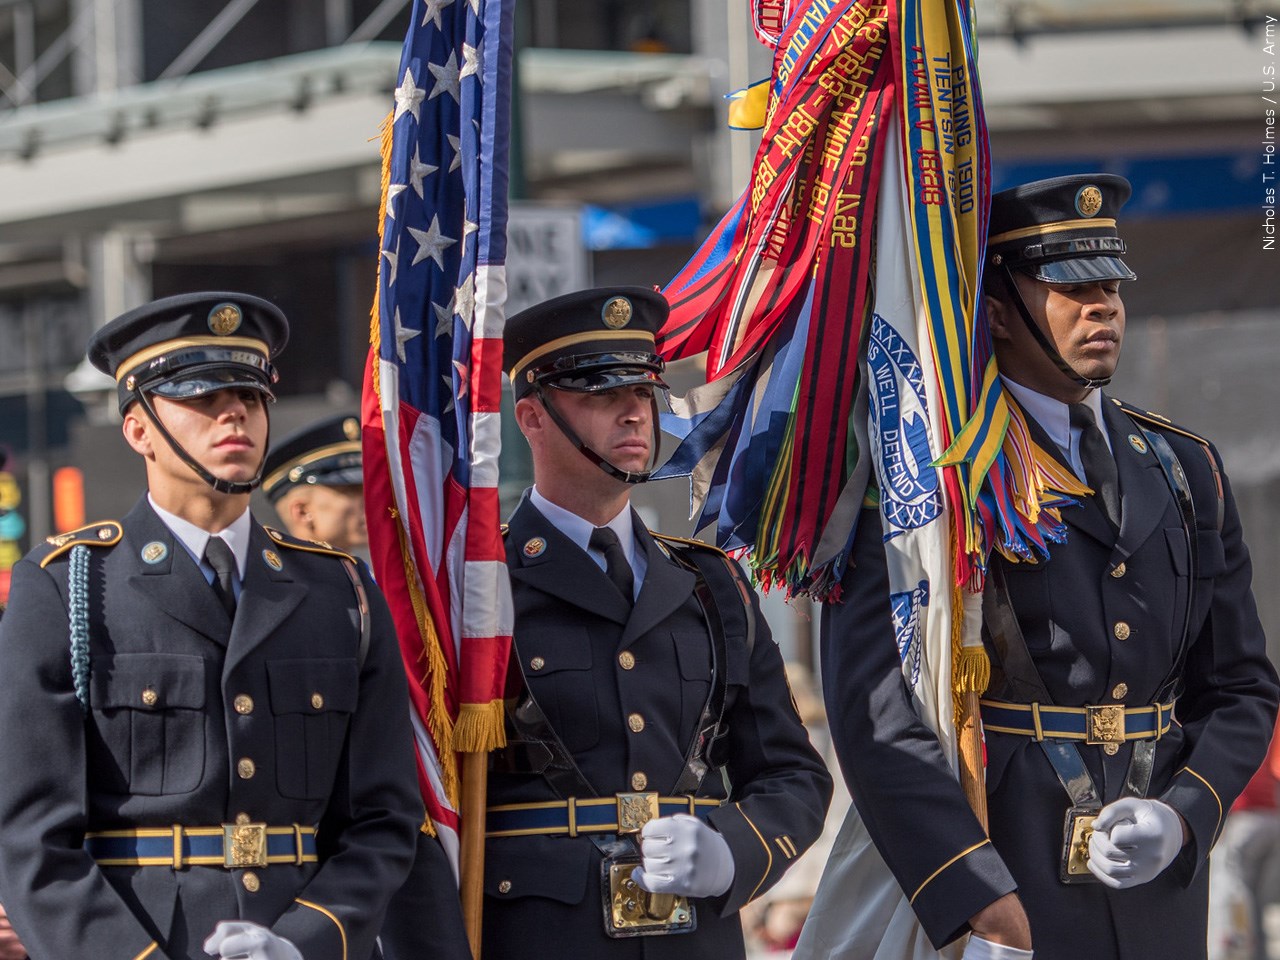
[998, 316]
[531, 416]
[137, 431]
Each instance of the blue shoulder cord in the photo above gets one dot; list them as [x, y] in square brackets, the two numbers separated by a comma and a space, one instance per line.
[78, 616]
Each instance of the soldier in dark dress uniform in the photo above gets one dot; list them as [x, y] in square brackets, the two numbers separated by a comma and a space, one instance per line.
[649, 721]
[315, 479]
[1130, 680]
[204, 737]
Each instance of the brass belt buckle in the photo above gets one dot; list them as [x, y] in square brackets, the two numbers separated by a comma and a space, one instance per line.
[1104, 724]
[244, 845]
[632, 912]
[635, 810]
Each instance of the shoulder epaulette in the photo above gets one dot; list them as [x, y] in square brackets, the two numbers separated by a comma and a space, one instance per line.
[104, 533]
[686, 542]
[306, 546]
[1159, 421]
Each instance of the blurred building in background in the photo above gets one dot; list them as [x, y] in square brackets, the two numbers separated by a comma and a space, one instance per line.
[150, 147]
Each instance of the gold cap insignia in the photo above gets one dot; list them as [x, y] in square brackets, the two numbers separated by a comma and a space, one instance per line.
[1137, 443]
[616, 313]
[272, 560]
[351, 428]
[154, 552]
[224, 319]
[1088, 201]
[535, 547]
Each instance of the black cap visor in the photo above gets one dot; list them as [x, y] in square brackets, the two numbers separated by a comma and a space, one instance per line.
[1080, 270]
[594, 381]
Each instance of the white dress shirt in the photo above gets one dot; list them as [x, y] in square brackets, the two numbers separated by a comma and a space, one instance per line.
[1054, 417]
[194, 540]
[579, 531]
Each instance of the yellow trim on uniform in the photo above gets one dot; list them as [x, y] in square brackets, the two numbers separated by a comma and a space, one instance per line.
[182, 343]
[786, 846]
[148, 951]
[933, 876]
[1042, 229]
[342, 931]
[347, 446]
[306, 546]
[575, 338]
[572, 805]
[1162, 422]
[767, 849]
[1217, 799]
[89, 535]
[693, 543]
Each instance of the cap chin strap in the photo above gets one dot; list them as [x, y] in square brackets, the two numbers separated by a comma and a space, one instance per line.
[1045, 343]
[626, 476]
[222, 486]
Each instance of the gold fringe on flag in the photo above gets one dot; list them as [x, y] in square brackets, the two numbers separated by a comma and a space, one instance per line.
[479, 728]
[375, 332]
[439, 723]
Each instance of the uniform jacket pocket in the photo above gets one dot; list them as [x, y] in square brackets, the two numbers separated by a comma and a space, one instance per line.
[312, 702]
[556, 868]
[558, 668]
[148, 717]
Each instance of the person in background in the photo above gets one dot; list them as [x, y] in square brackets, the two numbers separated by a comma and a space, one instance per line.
[1243, 862]
[314, 480]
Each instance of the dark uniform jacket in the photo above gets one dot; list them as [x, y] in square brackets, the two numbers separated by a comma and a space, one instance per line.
[194, 719]
[598, 665]
[1102, 619]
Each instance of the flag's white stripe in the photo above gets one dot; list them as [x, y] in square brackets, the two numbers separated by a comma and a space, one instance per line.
[428, 453]
[491, 301]
[486, 444]
[454, 557]
[487, 601]
[431, 763]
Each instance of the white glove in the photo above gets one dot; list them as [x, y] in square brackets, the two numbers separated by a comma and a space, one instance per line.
[248, 941]
[682, 855]
[979, 949]
[1133, 840]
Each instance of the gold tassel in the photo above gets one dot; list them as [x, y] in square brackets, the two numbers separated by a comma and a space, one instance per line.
[375, 336]
[428, 825]
[479, 728]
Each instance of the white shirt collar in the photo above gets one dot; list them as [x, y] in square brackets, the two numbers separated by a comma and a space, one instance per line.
[579, 530]
[194, 539]
[1054, 417]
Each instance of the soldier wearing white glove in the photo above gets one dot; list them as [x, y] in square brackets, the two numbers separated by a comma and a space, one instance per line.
[248, 941]
[1133, 841]
[684, 856]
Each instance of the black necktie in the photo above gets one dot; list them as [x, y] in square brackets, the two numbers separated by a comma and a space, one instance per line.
[223, 562]
[616, 565]
[1099, 464]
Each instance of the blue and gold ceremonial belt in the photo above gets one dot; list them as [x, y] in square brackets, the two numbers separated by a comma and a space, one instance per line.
[231, 845]
[1107, 723]
[621, 813]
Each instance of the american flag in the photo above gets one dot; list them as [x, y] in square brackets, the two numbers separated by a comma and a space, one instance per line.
[433, 385]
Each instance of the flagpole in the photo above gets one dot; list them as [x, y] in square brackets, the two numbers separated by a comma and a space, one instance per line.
[475, 784]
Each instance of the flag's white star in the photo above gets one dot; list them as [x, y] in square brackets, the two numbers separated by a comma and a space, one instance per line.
[393, 258]
[470, 61]
[431, 11]
[456, 143]
[448, 388]
[408, 97]
[465, 299]
[403, 335]
[468, 228]
[463, 378]
[475, 7]
[418, 170]
[446, 75]
[394, 190]
[444, 318]
[431, 243]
